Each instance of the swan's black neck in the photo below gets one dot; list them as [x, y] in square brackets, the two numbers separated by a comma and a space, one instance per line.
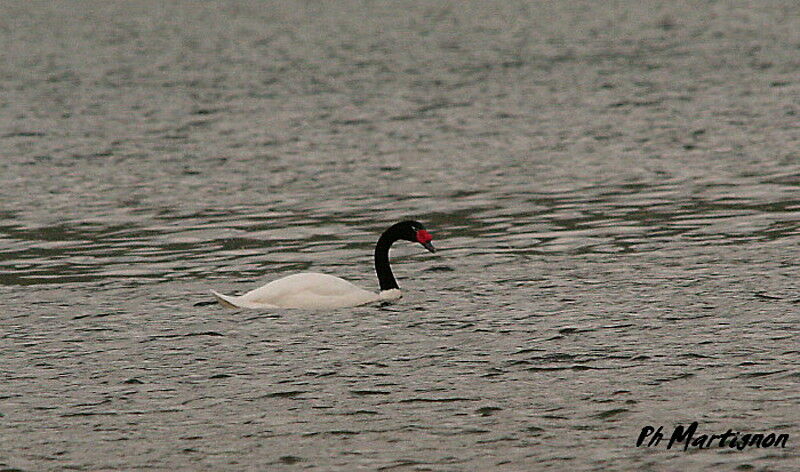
[385, 276]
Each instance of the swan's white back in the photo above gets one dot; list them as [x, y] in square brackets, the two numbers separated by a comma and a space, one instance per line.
[308, 290]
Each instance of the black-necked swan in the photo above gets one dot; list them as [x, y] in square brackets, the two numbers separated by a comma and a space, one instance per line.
[312, 290]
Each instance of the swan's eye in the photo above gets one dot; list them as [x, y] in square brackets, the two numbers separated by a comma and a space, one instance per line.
[424, 236]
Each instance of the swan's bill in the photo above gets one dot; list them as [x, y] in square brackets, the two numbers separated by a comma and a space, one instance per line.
[425, 238]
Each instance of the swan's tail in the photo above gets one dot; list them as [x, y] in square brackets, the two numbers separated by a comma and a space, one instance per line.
[240, 302]
[226, 300]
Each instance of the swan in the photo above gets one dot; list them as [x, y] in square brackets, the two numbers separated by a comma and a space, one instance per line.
[316, 291]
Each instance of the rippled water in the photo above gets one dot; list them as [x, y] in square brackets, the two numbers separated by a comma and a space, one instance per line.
[614, 194]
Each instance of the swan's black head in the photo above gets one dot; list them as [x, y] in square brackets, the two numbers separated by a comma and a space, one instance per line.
[415, 232]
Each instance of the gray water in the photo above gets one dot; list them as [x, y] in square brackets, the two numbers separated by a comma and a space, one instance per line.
[614, 192]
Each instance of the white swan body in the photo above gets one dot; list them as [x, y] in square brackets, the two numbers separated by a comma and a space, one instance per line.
[315, 291]
[309, 290]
